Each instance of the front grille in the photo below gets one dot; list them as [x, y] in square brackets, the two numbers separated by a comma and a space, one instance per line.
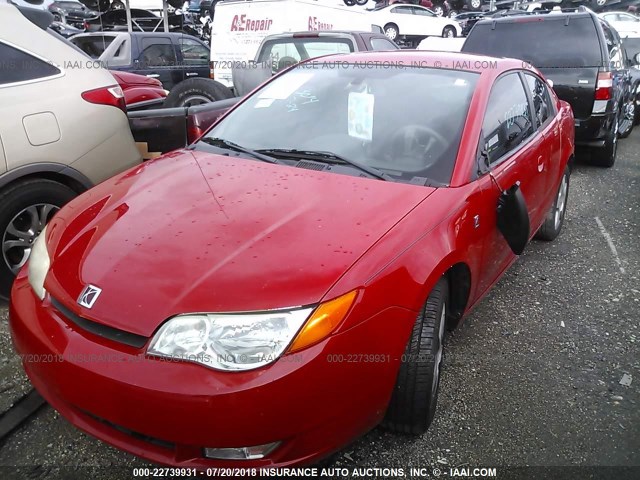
[310, 165]
[131, 433]
[115, 334]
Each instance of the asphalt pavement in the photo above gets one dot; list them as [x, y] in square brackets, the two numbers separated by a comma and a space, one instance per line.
[538, 374]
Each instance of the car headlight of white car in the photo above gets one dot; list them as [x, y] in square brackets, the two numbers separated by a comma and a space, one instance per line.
[39, 263]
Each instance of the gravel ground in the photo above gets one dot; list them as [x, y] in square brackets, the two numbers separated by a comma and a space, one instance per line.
[532, 378]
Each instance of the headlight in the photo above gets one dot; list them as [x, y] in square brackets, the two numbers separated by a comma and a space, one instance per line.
[246, 341]
[39, 264]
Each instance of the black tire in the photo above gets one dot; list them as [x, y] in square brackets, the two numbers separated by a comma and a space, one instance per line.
[448, 32]
[627, 120]
[362, 2]
[195, 91]
[391, 31]
[552, 225]
[13, 202]
[414, 398]
[474, 4]
[606, 156]
[349, 3]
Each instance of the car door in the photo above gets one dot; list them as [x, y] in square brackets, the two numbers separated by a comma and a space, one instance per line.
[426, 22]
[194, 57]
[402, 16]
[508, 155]
[550, 158]
[158, 59]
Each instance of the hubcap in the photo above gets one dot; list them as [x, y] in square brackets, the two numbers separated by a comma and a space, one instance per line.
[561, 202]
[22, 231]
[391, 33]
[195, 100]
[628, 117]
[438, 359]
[439, 11]
[449, 33]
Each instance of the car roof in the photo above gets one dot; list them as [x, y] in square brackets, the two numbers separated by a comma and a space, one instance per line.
[528, 17]
[315, 33]
[469, 62]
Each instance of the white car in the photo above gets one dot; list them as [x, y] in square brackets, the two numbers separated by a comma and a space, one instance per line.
[63, 129]
[413, 21]
[623, 22]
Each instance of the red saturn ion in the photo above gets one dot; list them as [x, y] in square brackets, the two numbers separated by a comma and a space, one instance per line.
[275, 290]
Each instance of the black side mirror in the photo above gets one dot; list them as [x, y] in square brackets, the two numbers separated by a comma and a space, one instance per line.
[513, 218]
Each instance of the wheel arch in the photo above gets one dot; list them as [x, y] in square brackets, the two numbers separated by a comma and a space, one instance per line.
[459, 279]
[57, 172]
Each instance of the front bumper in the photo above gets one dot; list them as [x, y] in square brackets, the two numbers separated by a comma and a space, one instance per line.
[314, 402]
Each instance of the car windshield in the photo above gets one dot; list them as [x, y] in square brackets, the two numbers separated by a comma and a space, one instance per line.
[403, 122]
[70, 5]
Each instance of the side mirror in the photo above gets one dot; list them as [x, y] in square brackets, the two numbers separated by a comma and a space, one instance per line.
[513, 218]
[550, 82]
[636, 58]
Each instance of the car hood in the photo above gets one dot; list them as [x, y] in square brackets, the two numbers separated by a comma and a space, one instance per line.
[197, 232]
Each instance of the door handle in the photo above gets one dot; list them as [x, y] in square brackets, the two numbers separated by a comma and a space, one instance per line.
[153, 75]
[191, 74]
[540, 164]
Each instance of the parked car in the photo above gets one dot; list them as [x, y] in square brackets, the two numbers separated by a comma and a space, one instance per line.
[632, 50]
[413, 23]
[275, 53]
[278, 205]
[141, 21]
[72, 13]
[590, 71]
[65, 30]
[140, 92]
[623, 22]
[62, 130]
[169, 57]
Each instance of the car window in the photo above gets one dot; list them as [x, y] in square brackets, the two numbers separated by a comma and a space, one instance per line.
[286, 52]
[378, 43]
[404, 10]
[422, 11]
[93, 45]
[363, 116]
[18, 66]
[542, 105]
[157, 52]
[193, 52]
[507, 121]
[537, 41]
[627, 18]
[614, 47]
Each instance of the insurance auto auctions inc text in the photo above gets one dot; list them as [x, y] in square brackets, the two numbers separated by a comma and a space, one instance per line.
[359, 472]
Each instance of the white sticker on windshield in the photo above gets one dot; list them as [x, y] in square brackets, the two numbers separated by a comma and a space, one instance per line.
[264, 103]
[460, 82]
[285, 86]
[360, 115]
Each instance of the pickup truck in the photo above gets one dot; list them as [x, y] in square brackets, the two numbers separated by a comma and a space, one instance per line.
[162, 130]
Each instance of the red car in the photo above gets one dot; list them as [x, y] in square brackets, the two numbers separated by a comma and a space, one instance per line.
[277, 289]
[140, 92]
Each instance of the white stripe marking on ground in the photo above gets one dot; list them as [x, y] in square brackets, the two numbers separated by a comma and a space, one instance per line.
[607, 237]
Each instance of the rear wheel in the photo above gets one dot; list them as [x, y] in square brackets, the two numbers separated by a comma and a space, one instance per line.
[414, 398]
[391, 31]
[438, 10]
[474, 4]
[606, 156]
[552, 225]
[196, 91]
[448, 32]
[25, 208]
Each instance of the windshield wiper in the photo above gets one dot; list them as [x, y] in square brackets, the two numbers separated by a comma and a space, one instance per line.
[222, 143]
[328, 157]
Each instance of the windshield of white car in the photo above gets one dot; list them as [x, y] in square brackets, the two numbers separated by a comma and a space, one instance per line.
[403, 122]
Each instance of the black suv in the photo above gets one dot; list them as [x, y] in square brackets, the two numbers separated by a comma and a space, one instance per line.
[583, 57]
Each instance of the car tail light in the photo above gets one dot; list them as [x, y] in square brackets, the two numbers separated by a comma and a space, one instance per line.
[112, 95]
[604, 86]
[306, 35]
[211, 75]
[85, 25]
[194, 132]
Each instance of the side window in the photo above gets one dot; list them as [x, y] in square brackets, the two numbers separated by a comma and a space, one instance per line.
[614, 47]
[542, 105]
[423, 12]
[193, 53]
[404, 10]
[283, 55]
[157, 52]
[382, 44]
[507, 121]
[18, 66]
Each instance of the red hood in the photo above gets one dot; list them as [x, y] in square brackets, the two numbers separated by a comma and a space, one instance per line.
[125, 79]
[161, 240]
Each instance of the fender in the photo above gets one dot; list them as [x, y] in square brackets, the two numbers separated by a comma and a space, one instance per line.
[76, 180]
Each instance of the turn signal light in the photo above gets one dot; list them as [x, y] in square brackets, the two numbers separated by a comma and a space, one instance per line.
[323, 321]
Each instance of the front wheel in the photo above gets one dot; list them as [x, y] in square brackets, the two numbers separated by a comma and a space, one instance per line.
[25, 209]
[414, 398]
[628, 118]
[552, 225]
[449, 32]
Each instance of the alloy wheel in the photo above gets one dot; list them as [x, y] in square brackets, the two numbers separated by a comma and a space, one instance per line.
[561, 202]
[438, 357]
